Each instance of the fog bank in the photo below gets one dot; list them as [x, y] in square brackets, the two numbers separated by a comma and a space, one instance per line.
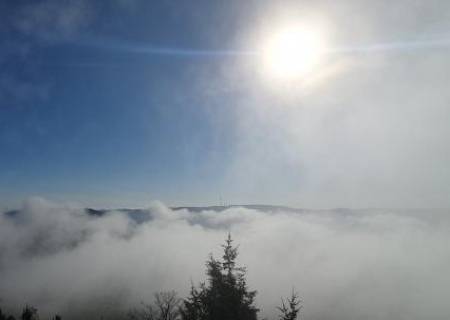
[346, 264]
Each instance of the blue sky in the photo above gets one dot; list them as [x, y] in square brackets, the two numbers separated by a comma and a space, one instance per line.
[92, 120]
[91, 114]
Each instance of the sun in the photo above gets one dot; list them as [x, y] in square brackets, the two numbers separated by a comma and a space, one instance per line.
[292, 52]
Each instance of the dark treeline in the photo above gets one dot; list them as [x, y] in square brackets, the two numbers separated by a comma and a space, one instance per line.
[223, 296]
[28, 313]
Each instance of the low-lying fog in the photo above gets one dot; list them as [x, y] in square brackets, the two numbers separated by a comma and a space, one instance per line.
[346, 264]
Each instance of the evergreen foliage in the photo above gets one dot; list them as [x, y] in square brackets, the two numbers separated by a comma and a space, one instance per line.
[225, 295]
[290, 308]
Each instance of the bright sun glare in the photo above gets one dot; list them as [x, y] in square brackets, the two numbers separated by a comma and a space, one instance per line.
[292, 52]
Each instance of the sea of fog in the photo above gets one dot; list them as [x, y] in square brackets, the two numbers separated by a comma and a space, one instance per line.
[346, 264]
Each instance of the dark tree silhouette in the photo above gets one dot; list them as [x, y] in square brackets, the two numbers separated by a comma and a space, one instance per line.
[29, 313]
[3, 316]
[225, 296]
[166, 306]
[290, 308]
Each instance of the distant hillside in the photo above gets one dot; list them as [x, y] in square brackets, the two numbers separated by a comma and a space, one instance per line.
[143, 215]
[259, 207]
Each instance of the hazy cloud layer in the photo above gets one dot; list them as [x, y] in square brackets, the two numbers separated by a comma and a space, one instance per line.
[362, 130]
[346, 264]
[365, 129]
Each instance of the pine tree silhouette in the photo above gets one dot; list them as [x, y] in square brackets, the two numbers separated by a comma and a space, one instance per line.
[290, 309]
[225, 296]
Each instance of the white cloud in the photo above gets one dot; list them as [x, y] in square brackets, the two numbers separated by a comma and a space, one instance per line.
[346, 264]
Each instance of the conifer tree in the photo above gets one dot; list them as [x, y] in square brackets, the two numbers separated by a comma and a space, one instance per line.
[290, 309]
[225, 295]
